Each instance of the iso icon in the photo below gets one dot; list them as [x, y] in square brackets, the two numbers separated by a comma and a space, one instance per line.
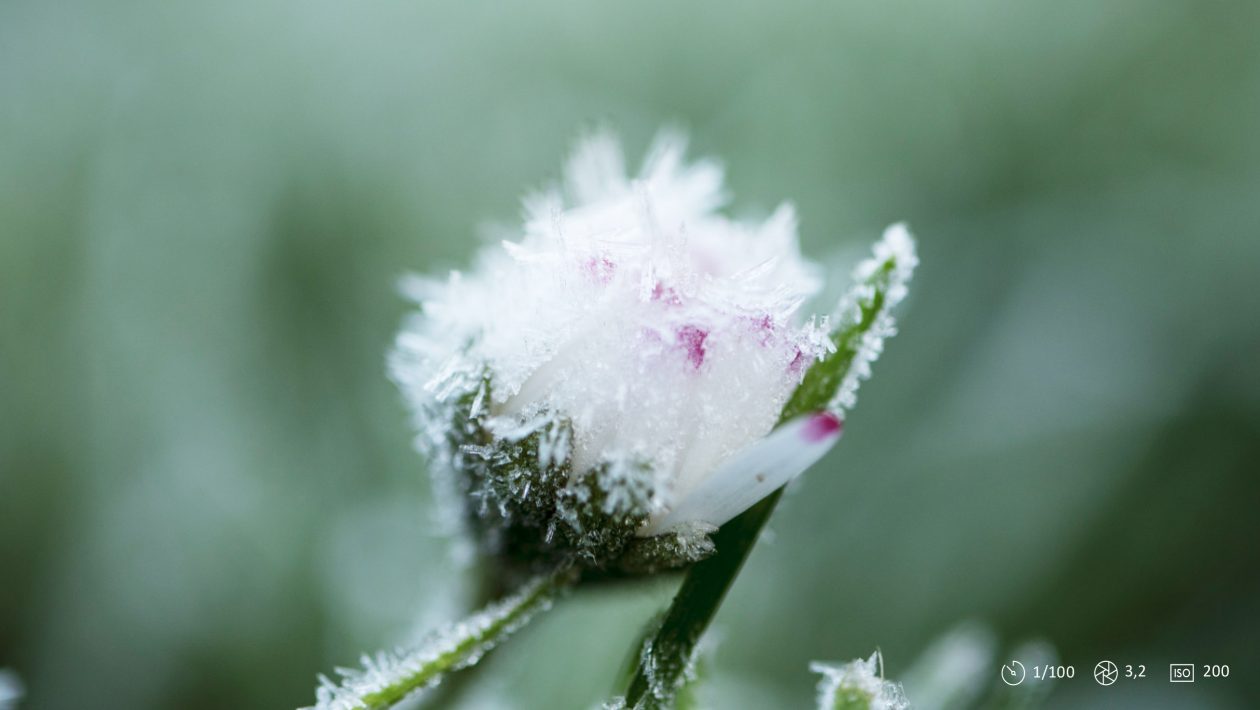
[1106, 673]
[1180, 672]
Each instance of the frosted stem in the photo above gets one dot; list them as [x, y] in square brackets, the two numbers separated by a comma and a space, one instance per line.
[388, 677]
[830, 384]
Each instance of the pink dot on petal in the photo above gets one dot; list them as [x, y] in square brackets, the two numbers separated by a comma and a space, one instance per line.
[665, 295]
[798, 362]
[764, 327]
[600, 269]
[691, 339]
[822, 426]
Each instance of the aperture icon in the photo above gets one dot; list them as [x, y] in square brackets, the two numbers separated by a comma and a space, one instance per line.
[1106, 673]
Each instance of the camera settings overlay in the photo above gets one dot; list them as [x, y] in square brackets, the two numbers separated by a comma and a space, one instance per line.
[1108, 672]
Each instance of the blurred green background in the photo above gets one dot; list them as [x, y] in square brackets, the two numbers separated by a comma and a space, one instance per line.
[207, 491]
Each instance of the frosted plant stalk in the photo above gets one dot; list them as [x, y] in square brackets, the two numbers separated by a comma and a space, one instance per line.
[388, 677]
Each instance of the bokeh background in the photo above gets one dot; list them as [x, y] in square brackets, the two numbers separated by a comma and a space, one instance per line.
[207, 491]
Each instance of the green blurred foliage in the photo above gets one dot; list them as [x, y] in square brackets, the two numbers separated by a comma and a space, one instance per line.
[207, 492]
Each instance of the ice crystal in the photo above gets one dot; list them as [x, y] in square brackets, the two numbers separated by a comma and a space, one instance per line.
[390, 676]
[664, 683]
[613, 370]
[857, 685]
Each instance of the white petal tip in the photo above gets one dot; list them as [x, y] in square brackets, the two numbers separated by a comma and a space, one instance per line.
[752, 473]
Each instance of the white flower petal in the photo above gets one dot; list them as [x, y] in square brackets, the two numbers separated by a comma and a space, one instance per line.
[752, 473]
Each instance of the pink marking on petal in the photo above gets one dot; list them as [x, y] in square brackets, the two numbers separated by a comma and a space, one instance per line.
[692, 339]
[667, 295]
[763, 327]
[600, 269]
[798, 362]
[822, 426]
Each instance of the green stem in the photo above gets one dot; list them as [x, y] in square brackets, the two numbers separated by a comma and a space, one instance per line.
[667, 654]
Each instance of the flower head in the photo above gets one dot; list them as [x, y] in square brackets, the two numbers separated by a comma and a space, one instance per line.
[608, 382]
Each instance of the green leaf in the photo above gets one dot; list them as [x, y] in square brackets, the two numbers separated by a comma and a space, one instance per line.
[823, 380]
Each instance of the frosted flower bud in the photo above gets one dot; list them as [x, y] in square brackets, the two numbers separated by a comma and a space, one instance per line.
[609, 381]
[857, 685]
